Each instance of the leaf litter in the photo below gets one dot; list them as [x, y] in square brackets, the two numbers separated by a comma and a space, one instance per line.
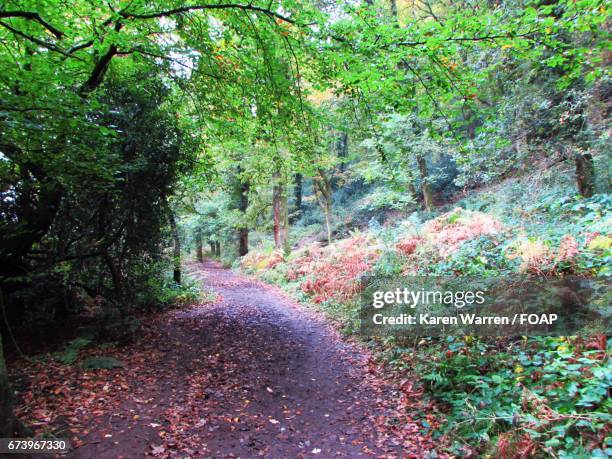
[251, 375]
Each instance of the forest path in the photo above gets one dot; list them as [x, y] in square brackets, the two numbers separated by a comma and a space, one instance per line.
[254, 375]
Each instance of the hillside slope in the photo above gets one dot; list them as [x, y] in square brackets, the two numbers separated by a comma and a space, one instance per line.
[508, 396]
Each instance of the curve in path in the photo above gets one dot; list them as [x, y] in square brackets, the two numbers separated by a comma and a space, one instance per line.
[252, 375]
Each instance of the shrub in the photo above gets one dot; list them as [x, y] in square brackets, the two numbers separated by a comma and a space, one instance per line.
[256, 260]
[335, 270]
[449, 230]
[543, 394]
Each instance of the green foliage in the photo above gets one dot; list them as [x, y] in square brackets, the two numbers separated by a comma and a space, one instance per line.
[70, 353]
[113, 114]
[101, 363]
[484, 256]
[545, 387]
[157, 288]
[384, 198]
[275, 276]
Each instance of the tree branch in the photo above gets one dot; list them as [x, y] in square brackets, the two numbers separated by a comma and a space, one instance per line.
[97, 74]
[433, 99]
[477, 38]
[33, 17]
[222, 6]
[75, 48]
[44, 44]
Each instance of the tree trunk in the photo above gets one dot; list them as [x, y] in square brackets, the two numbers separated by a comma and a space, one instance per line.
[10, 426]
[393, 5]
[115, 274]
[341, 148]
[7, 418]
[328, 222]
[198, 241]
[243, 232]
[243, 237]
[276, 214]
[33, 220]
[176, 254]
[425, 186]
[217, 248]
[585, 174]
[281, 220]
[324, 194]
[297, 212]
[413, 192]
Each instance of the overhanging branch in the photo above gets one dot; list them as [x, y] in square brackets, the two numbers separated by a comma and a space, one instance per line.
[468, 39]
[30, 15]
[222, 6]
[97, 74]
[44, 44]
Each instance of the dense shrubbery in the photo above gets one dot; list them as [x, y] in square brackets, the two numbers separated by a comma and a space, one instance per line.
[533, 395]
[333, 273]
[102, 256]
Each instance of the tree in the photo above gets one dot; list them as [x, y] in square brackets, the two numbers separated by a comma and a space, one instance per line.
[297, 192]
[280, 213]
[176, 251]
[441, 59]
[198, 241]
[585, 174]
[324, 195]
[241, 198]
[413, 158]
[81, 184]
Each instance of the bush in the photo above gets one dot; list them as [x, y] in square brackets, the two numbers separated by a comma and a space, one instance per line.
[160, 291]
[551, 393]
[335, 273]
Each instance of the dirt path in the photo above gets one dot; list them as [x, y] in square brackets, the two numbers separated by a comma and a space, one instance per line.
[253, 375]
